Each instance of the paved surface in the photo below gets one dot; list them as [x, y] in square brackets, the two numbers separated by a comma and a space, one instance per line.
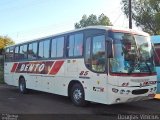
[12, 102]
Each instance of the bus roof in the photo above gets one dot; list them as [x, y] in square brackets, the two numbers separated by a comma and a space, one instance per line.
[155, 38]
[120, 29]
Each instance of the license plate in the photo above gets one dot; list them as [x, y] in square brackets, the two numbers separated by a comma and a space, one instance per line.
[151, 95]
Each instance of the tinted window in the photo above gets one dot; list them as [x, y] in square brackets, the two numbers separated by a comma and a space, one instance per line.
[54, 48]
[75, 45]
[7, 54]
[57, 47]
[60, 46]
[71, 45]
[23, 52]
[32, 51]
[44, 49]
[16, 53]
[41, 48]
[78, 48]
[11, 52]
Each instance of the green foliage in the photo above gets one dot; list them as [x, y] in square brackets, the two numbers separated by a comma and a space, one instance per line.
[92, 20]
[145, 13]
[5, 41]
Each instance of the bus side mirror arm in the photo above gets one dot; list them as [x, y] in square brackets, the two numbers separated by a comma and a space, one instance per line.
[110, 50]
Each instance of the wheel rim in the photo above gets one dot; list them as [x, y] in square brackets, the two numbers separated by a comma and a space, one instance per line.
[77, 95]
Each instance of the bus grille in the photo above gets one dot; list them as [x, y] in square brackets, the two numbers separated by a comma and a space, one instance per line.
[139, 91]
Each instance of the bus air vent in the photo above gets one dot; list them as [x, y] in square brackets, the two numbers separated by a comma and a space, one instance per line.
[139, 91]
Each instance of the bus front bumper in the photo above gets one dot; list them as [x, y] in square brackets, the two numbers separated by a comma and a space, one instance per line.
[130, 94]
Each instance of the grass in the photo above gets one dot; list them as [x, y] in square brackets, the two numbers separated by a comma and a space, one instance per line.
[1, 72]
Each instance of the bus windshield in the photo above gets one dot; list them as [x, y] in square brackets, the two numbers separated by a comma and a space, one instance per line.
[132, 54]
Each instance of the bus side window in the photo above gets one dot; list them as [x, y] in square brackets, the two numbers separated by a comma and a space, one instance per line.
[32, 51]
[44, 47]
[23, 52]
[75, 47]
[7, 54]
[78, 49]
[54, 48]
[11, 54]
[16, 53]
[57, 47]
[60, 46]
[40, 51]
[71, 46]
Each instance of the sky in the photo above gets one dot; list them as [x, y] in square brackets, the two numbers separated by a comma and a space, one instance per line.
[24, 20]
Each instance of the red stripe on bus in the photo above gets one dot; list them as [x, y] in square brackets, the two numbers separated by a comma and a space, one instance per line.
[14, 67]
[56, 67]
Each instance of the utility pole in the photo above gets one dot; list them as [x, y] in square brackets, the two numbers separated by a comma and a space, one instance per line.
[130, 14]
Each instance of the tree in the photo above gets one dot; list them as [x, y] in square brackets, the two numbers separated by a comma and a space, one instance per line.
[5, 41]
[145, 13]
[92, 20]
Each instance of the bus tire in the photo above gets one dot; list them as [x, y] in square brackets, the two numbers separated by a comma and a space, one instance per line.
[22, 86]
[77, 95]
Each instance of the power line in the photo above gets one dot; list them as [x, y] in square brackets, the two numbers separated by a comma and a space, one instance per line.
[117, 18]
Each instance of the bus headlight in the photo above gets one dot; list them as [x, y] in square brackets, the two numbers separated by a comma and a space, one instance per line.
[122, 91]
[115, 90]
[128, 91]
[155, 88]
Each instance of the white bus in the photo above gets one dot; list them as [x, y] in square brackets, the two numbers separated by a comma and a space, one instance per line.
[99, 64]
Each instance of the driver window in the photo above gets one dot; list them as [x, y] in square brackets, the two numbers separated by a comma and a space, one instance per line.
[98, 53]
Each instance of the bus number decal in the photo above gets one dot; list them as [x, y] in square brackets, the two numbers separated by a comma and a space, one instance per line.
[83, 73]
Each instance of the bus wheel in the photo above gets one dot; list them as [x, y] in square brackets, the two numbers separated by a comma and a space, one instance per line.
[22, 86]
[77, 95]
